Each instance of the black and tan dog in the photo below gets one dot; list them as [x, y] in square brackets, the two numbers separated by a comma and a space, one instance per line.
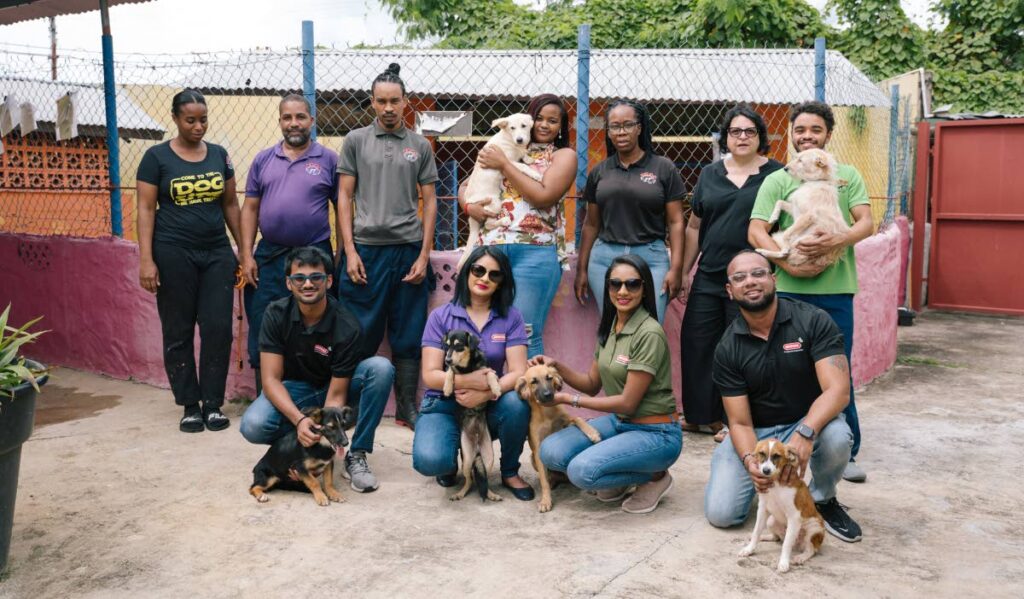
[308, 463]
[463, 356]
[538, 386]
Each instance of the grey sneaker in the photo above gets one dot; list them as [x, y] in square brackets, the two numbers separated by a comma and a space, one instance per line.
[854, 473]
[358, 471]
[613, 494]
[648, 495]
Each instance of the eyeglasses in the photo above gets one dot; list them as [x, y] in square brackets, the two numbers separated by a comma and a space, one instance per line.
[632, 285]
[479, 271]
[739, 132]
[316, 278]
[758, 273]
[628, 126]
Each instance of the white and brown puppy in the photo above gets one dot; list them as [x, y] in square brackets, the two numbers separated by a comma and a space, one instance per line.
[538, 386]
[786, 510]
[513, 139]
[814, 207]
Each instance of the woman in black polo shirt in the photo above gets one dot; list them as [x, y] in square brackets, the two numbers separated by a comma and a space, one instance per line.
[717, 228]
[186, 260]
[634, 202]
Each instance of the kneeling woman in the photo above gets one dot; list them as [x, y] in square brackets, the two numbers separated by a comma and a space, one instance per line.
[484, 291]
[641, 438]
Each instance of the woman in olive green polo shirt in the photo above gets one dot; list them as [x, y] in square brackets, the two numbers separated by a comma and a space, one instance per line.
[640, 436]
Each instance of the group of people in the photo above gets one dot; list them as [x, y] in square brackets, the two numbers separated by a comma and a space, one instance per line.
[756, 363]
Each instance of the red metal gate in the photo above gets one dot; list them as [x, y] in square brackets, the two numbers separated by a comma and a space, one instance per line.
[977, 216]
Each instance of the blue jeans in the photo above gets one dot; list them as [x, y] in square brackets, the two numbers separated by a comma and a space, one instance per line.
[654, 253]
[537, 274]
[628, 454]
[730, 491]
[840, 308]
[435, 446]
[367, 394]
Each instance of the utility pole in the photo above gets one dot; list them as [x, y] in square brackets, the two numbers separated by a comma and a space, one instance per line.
[53, 48]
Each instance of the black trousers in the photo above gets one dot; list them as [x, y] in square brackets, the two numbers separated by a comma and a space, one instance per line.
[709, 310]
[196, 287]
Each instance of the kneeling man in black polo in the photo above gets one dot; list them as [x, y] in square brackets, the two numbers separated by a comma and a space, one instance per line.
[311, 355]
[782, 371]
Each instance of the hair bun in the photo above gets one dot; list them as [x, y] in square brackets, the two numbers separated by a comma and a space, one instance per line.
[393, 69]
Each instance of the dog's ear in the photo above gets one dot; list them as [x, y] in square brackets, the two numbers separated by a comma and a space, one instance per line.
[474, 342]
[315, 414]
[556, 379]
[821, 162]
[348, 417]
[521, 387]
[500, 123]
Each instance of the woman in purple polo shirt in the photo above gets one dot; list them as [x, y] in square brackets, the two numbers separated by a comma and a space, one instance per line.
[484, 292]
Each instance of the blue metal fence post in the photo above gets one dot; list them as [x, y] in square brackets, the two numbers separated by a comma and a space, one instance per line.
[819, 69]
[582, 121]
[110, 102]
[894, 117]
[309, 72]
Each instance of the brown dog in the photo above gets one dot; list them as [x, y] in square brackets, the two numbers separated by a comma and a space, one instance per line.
[538, 386]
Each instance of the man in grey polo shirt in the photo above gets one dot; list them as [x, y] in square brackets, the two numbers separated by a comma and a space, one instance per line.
[384, 259]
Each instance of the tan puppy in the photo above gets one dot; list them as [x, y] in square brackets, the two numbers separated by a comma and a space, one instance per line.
[787, 510]
[513, 139]
[537, 386]
[814, 206]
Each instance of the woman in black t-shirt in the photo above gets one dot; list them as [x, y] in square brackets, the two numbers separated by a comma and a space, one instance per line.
[186, 260]
[634, 201]
[722, 202]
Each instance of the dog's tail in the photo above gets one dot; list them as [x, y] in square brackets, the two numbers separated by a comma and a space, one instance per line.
[480, 477]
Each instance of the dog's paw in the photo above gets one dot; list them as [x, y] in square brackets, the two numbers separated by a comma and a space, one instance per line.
[262, 498]
[594, 437]
[783, 567]
[455, 497]
[322, 500]
[335, 496]
[492, 496]
[544, 506]
[746, 551]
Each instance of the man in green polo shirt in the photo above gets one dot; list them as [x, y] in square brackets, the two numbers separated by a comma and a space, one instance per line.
[831, 289]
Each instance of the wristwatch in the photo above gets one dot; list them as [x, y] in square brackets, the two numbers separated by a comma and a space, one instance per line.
[805, 431]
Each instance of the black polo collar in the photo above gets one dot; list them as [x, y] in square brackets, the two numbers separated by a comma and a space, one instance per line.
[325, 323]
[642, 163]
[782, 314]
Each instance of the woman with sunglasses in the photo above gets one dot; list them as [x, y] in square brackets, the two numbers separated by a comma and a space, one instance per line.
[186, 260]
[484, 291]
[717, 230]
[640, 437]
[634, 201]
[534, 239]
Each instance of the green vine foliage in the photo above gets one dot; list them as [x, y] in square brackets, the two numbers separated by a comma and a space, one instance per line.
[878, 37]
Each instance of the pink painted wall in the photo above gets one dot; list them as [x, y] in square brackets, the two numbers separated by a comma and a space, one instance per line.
[100, 320]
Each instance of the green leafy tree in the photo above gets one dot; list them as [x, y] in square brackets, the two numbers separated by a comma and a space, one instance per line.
[878, 36]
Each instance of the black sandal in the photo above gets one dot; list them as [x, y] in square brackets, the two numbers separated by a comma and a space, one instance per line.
[191, 422]
[215, 419]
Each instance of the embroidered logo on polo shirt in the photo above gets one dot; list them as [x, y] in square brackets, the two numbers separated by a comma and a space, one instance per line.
[322, 350]
[498, 337]
[648, 177]
[793, 346]
[313, 168]
[622, 359]
[410, 154]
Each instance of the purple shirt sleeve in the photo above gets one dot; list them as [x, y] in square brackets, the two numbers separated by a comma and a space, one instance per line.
[516, 333]
[433, 332]
[253, 189]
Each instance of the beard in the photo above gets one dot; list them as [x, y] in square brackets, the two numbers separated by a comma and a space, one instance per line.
[296, 138]
[756, 306]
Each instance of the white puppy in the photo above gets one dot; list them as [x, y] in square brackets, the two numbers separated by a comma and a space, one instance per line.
[513, 139]
[814, 206]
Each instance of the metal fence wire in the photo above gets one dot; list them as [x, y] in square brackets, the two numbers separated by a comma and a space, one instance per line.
[54, 183]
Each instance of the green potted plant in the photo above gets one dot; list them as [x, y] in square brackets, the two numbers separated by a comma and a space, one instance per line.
[20, 379]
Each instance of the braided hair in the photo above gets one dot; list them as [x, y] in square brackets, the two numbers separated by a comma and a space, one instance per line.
[390, 75]
[645, 141]
[186, 96]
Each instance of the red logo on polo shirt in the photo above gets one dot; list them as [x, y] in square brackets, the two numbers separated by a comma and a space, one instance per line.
[648, 177]
[792, 346]
[322, 350]
[622, 359]
[498, 337]
[410, 154]
[313, 168]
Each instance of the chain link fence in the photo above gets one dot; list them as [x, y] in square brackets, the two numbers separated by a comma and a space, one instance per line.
[53, 184]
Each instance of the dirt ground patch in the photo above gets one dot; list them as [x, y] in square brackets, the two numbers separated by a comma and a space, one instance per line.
[116, 503]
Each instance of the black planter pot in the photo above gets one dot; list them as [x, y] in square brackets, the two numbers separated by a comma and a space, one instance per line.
[16, 415]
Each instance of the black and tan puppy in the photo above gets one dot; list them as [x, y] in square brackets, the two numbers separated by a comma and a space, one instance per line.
[308, 463]
[463, 356]
[538, 386]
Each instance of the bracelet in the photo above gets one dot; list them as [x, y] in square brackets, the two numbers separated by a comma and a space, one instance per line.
[465, 208]
[300, 421]
[576, 400]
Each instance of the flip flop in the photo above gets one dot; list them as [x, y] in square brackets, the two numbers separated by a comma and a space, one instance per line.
[721, 434]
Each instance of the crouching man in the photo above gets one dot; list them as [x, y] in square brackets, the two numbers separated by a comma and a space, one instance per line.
[310, 357]
[783, 373]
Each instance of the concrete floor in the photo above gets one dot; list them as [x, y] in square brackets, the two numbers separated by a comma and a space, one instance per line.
[115, 502]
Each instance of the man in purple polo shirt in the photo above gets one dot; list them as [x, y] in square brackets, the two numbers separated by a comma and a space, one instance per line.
[286, 197]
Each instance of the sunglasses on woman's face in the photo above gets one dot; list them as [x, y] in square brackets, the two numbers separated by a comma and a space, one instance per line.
[316, 278]
[632, 285]
[480, 271]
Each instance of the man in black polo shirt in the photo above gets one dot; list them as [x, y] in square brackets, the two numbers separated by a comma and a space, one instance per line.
[781, 369]
[310, 356]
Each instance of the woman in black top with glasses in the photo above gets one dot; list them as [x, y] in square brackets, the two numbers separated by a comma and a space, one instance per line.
[717, 228]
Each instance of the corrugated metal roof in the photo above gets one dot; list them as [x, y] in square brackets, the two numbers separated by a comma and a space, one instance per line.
[26, 10]
[132, 121]
[711, 75]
